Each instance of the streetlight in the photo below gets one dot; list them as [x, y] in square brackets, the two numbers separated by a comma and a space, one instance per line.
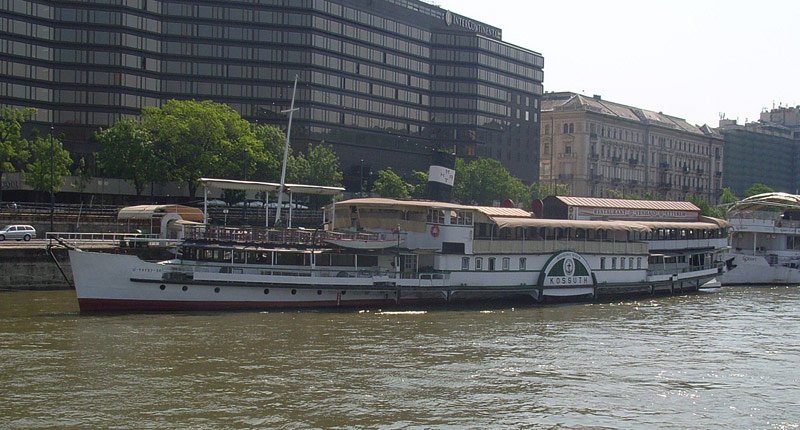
[361, 173]
[52, 177]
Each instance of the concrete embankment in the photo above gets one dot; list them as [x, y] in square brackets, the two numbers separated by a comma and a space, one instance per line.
[33, 268]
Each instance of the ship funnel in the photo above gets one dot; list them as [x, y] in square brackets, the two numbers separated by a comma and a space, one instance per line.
[441, 176]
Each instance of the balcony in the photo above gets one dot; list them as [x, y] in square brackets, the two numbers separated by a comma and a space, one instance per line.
[685, 169]
[593, 137]
[566, 155]
[700, 171]
[718, 174]
[665, 185]
[594, 156]
[596, 177]
[616, 180]
[633, 182]
[685, 188]
[565, 176]
[664, 165]
[633, 161]
[616, 159]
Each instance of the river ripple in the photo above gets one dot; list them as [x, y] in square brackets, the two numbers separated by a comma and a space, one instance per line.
[722, 359]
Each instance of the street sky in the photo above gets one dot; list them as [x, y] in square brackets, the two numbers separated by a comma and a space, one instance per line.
[693, 59]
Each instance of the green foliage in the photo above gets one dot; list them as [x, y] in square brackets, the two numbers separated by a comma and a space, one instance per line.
[390, 184]
[49, 163]
[204, 138]
[13, 148]
[319, 167]
[484, 180]
[418, 184]
[727, 197]
[82, 175]
[705, 208]
[758, 188]
[538, 190]
[272, 140]
[127, 151]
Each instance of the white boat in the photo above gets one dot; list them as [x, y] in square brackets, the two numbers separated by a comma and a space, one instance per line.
[765, 243]
[441, 253]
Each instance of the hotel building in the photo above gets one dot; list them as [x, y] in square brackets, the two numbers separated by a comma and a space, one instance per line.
[382, 81]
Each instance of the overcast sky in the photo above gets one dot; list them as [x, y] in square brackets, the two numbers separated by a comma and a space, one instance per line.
[693, 59]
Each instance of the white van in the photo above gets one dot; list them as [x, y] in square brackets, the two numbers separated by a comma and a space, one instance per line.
[17, 232]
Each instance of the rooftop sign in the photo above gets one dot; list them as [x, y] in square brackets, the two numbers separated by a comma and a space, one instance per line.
[453, 19]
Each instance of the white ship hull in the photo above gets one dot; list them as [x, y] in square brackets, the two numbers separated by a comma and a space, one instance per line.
[119, 283]
[755, 270]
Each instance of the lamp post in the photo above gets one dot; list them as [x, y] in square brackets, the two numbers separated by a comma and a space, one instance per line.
[52, 177]
[361, 174]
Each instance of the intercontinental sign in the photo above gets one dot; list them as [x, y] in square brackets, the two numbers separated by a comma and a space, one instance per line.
[452, 19]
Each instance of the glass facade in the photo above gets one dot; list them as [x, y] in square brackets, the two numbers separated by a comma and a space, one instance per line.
[383, 81]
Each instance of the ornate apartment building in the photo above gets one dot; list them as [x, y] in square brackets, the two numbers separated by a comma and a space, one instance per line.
[599, 148]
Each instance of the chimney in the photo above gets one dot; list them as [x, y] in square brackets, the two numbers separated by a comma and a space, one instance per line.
[597, 97]
[441, 176]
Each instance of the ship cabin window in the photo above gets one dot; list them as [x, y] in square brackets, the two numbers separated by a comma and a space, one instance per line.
[506, 263]
[491, 267]
[613, 263]
[622, 263]
[478, 263]
[630, 263]
[602, 263]
[435, 216]
[464, 263]
[523, 262]
[461, 218]
[345, 260]
[639, 262]
[239, 256]
[292, 259]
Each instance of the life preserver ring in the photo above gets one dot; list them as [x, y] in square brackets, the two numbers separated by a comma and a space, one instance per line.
[434, 230]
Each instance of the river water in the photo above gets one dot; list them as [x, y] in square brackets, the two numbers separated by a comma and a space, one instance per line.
[728, 358]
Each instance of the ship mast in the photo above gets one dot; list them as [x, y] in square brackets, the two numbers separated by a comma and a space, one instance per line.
[291, 111]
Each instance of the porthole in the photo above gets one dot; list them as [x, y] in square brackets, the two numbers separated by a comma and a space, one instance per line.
[216, 290]
[319, 292]
[294, 292]
[163, 287]
[266, 290]
[184, 288]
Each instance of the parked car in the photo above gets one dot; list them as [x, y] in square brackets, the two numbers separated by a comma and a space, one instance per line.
[17, 232]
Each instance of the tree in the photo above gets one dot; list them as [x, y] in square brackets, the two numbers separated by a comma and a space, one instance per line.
[127, 152]
[484, 180]
[82, 176]
[319, 167]
[390, 184]
[705, 208]
[727, 197]
[49, 163]
[418, 185]
[271, 139]
[539, 190]
[204, 138]
[13, 148]
[758, 188]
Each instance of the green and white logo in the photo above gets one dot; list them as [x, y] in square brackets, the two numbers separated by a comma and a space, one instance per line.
[567, 269]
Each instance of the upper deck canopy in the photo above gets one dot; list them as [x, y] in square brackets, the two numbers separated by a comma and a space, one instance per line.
[231, 184]
[147, 212]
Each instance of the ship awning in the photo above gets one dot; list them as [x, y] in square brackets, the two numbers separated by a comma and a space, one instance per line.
[512, 222]
[680, 225]
[232, 184]
[147, 212]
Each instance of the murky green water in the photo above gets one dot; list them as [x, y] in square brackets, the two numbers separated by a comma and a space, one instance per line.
[723, 359]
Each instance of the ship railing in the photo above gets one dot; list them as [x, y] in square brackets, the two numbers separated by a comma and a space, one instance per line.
[293, 236]
[673, 269]
[321, 272]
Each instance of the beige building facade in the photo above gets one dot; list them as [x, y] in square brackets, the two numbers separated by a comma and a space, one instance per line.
[599, 148]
